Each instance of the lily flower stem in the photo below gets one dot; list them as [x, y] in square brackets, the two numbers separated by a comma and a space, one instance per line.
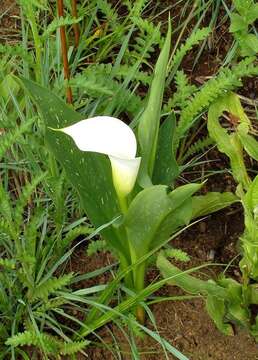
[139, 282]
[138, 271]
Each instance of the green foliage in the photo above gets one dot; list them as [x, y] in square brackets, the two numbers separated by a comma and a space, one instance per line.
[148, 128]
[192, 40]
[109, 12]
[245, 15]
[176, 254]
[47, 343]
[198, 146]
[46, 288]
[8, 264]
[166, 168]
[95, 246]
[57, 22]
[182, 95]
[227, 80]
[10, 137]
[228, 301]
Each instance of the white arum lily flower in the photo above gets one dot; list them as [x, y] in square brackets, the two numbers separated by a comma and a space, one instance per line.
[112, 137]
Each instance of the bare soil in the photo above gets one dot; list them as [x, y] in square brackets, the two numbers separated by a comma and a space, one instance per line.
[9, 21]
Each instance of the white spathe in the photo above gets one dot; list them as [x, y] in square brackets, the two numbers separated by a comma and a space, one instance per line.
[110, 136]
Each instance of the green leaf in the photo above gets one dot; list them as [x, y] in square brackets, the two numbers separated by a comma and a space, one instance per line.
[89, 173]
[250, 145]
[238, 23]
[248, 44]
[242, 6]
[166, 168]
[237, 303]
[148, 128]
[251, 196]
[145, 220]
[213, 201]
[188, 282]
[217, 310]
[229, 144]
[252, 14]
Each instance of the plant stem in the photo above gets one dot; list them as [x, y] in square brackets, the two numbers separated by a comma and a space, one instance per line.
[75, 26]
[138, 271]
[60, 7]
[139, 283]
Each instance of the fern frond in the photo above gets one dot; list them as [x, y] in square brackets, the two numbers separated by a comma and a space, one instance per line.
[48, 287]
[16, 51]
[198, 147]
[149, 29]
[57, 22]
[44, 341]
[24, 198]
[131, 322]
[51, 304]
[75, 233]
[49, 344]
[182, 95]
[192, 40]
[177, 254]
[138, 76]
[127, 101]
[142, 48]
[9, 138]
[32, 3]
[91, 85]
[96, 246]
[5, 205]
[69, 348]
[109, 12]
[138, 7]
[5, 227]
[227, 80]
[8, 263]
[30, 236]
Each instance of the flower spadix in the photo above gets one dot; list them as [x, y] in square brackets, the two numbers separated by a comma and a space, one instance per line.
[112, 137]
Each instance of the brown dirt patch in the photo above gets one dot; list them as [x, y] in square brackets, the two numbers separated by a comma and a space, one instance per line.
[9, 21]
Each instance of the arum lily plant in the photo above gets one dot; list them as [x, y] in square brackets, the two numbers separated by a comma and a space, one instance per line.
[227, 300]
[112, 137]
[114, 179]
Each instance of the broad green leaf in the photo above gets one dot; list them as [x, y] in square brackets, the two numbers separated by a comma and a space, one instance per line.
[148, 127]
[243, 6]
[237, 23]
[148, 212]
[251, 196]
[188, 282]
[166, 168]
[229, 144]
[237, 306]
[250, 145]
[248, 44]
[213, 201]
[216, 308]
[252, 14]
[89, 173]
